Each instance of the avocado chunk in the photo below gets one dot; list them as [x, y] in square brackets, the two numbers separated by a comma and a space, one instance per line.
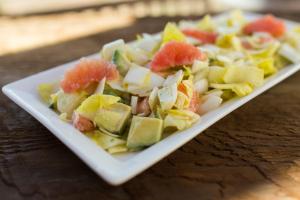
[121, 61]
[144, 131]
[113, 118]
[68, 102]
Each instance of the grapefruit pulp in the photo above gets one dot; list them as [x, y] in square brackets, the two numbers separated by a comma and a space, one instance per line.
[174, 54]
[267, 24]
[202, 36]
[87, 72]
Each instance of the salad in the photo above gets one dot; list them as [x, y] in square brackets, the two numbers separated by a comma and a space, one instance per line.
[133, 95]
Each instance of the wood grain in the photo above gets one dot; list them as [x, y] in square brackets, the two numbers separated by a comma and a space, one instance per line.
[253, 153]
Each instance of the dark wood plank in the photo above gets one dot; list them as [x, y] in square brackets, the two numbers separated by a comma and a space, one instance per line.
[253, 153]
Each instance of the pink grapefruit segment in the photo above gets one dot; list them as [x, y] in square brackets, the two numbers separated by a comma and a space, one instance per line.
[87, 72]
[267, 24]
[81, 123]
[202, 36]
[174, 54]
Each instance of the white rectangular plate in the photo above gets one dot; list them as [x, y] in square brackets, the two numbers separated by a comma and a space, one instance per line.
[117, 169]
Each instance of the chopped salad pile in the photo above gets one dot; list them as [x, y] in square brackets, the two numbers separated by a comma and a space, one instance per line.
[134, 95]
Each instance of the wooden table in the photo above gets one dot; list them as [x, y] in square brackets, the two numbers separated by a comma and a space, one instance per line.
[253, 153]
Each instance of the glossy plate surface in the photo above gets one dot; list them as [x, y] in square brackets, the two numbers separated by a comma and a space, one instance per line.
[117, 169]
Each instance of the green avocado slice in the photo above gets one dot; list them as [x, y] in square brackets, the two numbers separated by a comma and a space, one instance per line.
[68, 102]
[144, 131]
[113, 118]
[121, 61]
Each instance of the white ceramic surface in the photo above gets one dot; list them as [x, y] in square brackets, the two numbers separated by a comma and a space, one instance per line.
[117, 169]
